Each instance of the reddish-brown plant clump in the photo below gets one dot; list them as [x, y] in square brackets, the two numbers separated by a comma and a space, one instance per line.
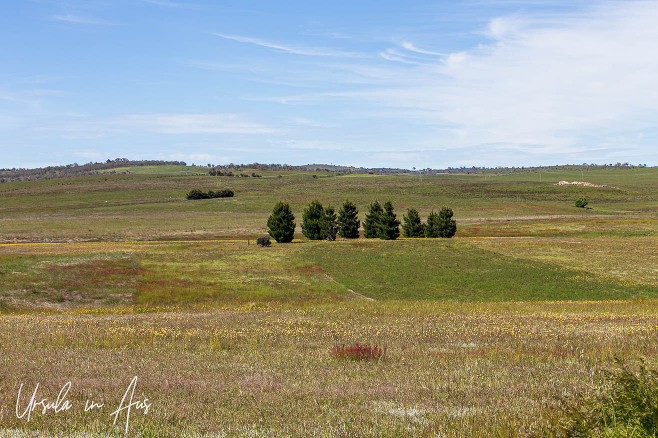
[358, 352]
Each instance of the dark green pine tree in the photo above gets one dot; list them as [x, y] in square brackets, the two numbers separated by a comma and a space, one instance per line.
[447, 225]
[312, 220]
[281, 223]
[348, 221]
[371, 226]
[412, 226]
[329, 224]
[432, 225]
[389, 228]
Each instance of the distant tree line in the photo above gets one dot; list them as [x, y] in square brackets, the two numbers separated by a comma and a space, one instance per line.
[75, 169]
[219, 172]
[439, 224]
[200, 194]
[504, 170]
[322, 223]
[238, 169]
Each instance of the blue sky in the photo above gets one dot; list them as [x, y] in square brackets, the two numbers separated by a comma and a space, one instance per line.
[365, 83]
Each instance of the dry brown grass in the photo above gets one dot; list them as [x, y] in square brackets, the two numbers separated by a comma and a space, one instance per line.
[452, 369]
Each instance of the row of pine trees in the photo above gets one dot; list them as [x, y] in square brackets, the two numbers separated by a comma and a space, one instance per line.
[322, 223]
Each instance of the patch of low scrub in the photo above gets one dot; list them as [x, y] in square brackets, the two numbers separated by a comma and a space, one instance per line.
[627, 406]
[5, 307]
[358, 352]
[263, 241]
[200, 194]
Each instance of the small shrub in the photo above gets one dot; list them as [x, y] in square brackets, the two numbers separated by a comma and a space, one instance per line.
[263, 241]
[581, 202]
[220, 193]
[626, 406]
[196, 194]
[358, 352]
[199, 194]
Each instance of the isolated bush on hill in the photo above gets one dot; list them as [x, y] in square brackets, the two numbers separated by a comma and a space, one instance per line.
[226, 193]
[263, 241]
[312, 220]
[348, 221]
[371, 225]
[196, 194]
[412, 226]
[581, 202]
[281, 223]
[199, 194]
[389, 225]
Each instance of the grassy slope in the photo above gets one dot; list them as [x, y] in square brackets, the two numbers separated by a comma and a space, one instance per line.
[439, 270]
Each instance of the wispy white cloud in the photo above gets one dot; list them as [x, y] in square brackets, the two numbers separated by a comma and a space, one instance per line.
[80, 126]
[558, 86]
[199, 158]
[393, 55]
[409, 46]
[407, 53]
[307, 51]
[555, 84]
[168, 4]
[206, 123]
[70, 18]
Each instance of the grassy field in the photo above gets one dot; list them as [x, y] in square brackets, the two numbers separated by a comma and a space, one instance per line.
[109, 277]
[150, 206]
